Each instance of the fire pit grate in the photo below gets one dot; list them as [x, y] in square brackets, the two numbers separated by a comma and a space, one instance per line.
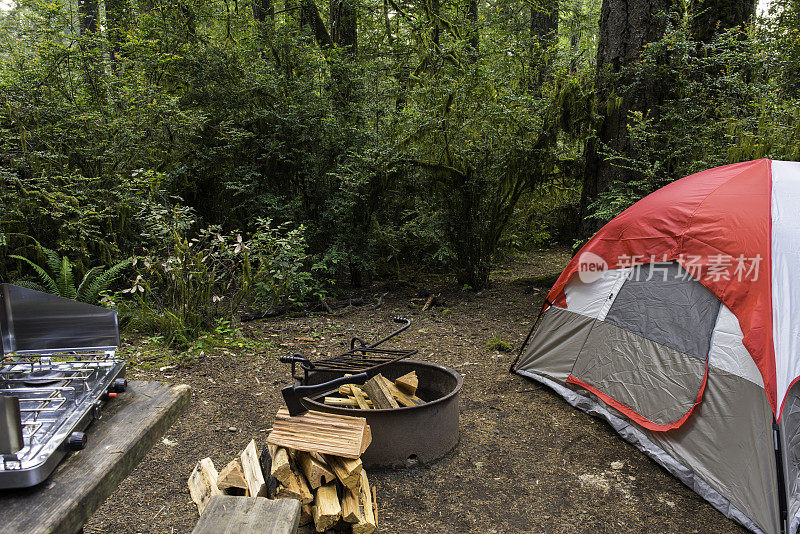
[359, 358]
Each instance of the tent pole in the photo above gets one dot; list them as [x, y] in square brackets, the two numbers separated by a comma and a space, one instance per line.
[546, 305]
[776, 433]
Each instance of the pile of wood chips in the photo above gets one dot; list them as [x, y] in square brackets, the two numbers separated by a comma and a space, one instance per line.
[378, 393]
[313, 458]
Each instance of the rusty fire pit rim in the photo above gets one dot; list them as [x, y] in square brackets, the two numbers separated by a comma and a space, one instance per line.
[358, 412]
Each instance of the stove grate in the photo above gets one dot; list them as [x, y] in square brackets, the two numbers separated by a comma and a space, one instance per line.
[49, 385]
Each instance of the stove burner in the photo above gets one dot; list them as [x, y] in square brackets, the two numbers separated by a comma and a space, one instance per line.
[44, 377]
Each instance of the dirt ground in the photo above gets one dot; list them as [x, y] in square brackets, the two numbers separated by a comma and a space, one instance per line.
[526, 460]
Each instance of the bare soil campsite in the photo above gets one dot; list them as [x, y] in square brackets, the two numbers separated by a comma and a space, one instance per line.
[526, 461]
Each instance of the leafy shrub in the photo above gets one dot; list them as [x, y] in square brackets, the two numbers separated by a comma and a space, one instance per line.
[277, 264]
[206, 279]
[182, 294]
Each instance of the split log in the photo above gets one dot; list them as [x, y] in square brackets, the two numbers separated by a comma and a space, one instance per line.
[375, 504]
[324, 433]
[327, 509]
[232, 478]
[281, 468]
[380, 395]
[203, 484]
[408, 383]
[251, 468]
[306, 496]
[351, 506]
[349, 402]
[314, 468]
[361, 398]
[292, 491]
[296, 488]
[354, 392]
[370, 522]
[399, 396]
[306, 515]
[347, 471]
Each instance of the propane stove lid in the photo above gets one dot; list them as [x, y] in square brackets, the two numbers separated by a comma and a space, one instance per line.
[33, 321]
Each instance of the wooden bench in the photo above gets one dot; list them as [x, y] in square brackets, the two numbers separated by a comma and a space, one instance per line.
[226, 514]
[130, 426]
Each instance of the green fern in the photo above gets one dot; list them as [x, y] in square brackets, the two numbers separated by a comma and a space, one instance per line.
[31, 285]
[83, 293]
[91, 287]
[66, 281]
[47, 280]
[60, 280]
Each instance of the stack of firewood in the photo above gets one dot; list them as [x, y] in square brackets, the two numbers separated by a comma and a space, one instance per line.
[377, 393]
[313, 458]
[242, 476]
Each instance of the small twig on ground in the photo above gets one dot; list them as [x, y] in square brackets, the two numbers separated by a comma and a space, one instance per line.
[380, 302]
[431, 300]
[159, 512]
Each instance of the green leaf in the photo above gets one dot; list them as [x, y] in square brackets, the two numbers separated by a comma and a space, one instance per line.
[102, 282]
[83, 293]
[47, 281]
[66, 279]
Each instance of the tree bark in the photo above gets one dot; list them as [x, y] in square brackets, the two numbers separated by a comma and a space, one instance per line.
[88, 13]
[190, 19]
[544, 33]
[309, 14]
[117, 19]
[344, 25]
[435, 13]
[264, 15]
[264, 11]
[626, 26]
[474, 32]
[708, 17]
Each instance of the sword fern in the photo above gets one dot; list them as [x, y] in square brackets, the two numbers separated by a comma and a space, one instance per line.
[56, 276]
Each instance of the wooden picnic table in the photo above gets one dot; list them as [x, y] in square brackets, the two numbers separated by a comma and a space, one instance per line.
[129, 427]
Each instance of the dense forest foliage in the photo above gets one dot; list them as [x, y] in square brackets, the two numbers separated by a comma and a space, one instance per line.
[226, 152]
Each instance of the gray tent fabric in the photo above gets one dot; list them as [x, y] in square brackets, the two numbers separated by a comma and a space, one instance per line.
[790, 437]
[728, 443]
[724, 450]
[642, 441]
[568, 332]
[655, 381]
[663, 303]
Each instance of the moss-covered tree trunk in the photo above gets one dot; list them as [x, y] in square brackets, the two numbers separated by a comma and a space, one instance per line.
[118, 13]
[544, 33]
[707, 17]
[626, 26]
[309, 15]
[472, 30]
[344, 25]
[264, 15]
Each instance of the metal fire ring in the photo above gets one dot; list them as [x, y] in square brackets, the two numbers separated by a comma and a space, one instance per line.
[406, 436]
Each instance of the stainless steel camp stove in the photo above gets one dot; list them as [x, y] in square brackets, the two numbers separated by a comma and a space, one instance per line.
[57, 368]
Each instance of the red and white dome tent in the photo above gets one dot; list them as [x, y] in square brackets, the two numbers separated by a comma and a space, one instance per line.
[679, 323]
